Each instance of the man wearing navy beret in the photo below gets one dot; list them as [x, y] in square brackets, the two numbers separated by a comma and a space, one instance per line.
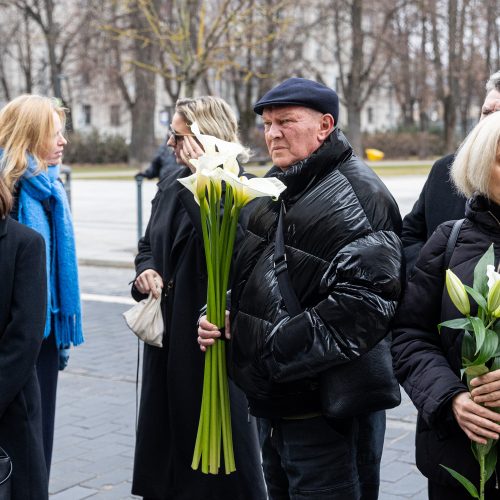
[315, 285]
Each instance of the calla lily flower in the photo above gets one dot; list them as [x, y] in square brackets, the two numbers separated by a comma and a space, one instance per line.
[245, 189]
[457, 292]
[198, 182]
[217, 152]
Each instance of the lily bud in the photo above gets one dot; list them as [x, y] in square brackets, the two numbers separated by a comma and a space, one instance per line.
[457, 293]
[494, 296]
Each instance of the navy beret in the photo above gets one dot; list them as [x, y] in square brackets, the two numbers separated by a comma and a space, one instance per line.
[301, 92]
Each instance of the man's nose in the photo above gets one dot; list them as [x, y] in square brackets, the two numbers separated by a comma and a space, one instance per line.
[274, 131]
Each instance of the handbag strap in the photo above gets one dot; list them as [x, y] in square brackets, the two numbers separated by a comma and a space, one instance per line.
[290, 298]
[452, 241]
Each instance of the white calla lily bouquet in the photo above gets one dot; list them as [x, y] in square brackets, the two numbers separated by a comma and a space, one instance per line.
[480, 347]
[219, 220]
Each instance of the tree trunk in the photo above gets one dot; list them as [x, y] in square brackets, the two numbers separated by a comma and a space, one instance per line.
[142, 140]
[354, 130]
[353, 96]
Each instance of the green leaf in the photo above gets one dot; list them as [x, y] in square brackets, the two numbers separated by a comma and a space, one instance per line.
[471, 489]
[468, 348]
[480, 276]
[480, 300]
[457, 324]
[488, 349]
[479, 332]
[476, 370]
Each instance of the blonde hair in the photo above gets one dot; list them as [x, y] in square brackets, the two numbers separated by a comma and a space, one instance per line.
[26, 126]
[476, 157]
[214, 116]
[5, 199]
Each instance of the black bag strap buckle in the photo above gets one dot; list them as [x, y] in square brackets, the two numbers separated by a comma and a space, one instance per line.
[280, 264]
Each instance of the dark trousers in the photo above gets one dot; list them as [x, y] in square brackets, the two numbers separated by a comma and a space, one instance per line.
[322, 458]
[47, 368]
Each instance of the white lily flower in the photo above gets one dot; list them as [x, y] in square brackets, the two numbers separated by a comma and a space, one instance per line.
[197, 182]
[216, 148]
[245, 189]
[493, 276]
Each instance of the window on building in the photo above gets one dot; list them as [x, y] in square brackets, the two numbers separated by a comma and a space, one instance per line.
[114, 116]
[370, 114]
[87, 114]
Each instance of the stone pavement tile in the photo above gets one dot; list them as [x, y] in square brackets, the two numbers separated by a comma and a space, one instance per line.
[405, 442]
[75, 493]
[395, 471]
[110, 479]
[70, 479]
[389, 456]
[117, 492]
[409, 486]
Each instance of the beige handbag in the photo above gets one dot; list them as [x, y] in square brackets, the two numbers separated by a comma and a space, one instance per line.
[146, 321]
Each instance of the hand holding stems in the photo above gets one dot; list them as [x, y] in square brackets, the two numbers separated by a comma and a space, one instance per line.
[486, 389]
[208, 333]
[477, 422]
[145, 282]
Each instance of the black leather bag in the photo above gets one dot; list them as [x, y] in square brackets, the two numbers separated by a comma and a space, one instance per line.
[361, 386]
[5, 474]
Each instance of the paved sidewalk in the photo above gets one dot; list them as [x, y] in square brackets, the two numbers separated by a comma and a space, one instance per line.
[95, 419]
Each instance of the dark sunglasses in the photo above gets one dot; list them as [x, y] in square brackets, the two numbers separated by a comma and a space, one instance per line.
[177, 137]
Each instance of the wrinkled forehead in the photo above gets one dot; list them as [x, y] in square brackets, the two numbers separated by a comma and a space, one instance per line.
[286, 111]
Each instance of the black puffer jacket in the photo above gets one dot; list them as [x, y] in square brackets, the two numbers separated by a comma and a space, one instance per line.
[427, 364]
[344, 259]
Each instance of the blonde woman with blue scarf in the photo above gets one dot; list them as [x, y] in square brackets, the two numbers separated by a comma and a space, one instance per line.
[31, 147]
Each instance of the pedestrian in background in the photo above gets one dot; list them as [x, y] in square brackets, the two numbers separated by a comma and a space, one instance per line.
[439, 201]
[172, 253]
[161, 165]
[23, 297]
[428, 362]
[31, 148]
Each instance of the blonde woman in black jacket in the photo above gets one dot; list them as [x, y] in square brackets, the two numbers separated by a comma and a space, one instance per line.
[427, 363]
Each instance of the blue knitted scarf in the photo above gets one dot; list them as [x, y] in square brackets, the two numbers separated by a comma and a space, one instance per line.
[63, 301]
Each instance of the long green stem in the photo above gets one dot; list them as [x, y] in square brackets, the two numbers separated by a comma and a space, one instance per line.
[482, 476]
[214, 430]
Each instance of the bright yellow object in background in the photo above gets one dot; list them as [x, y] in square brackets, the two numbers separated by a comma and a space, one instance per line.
[374, 154]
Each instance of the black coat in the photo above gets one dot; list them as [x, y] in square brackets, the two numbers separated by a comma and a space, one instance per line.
[426, 363]
[438, 202]
[344, 260]
[173, 375]
[23, 299]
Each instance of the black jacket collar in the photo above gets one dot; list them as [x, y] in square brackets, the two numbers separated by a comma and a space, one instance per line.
[483, 212]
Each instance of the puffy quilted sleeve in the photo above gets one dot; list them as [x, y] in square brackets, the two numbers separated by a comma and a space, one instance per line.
[362, 286]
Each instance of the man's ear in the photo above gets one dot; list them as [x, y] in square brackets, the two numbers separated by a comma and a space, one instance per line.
[327, 124]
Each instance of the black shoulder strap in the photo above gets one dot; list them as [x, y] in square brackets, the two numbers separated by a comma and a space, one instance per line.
[452, 241]
[290, 298]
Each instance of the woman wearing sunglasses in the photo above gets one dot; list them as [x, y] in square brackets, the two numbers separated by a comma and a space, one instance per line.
[171, 253]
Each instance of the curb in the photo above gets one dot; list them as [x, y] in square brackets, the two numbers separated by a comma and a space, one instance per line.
[106, 263]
